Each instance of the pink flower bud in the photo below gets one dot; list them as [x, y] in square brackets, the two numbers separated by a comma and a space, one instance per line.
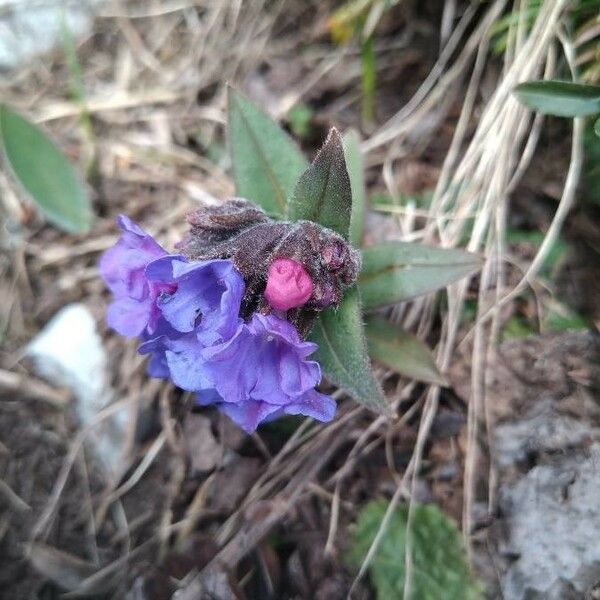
[288, 284]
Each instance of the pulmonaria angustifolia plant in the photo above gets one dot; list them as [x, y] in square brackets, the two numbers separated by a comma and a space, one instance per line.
[262, 293]
[225, 317]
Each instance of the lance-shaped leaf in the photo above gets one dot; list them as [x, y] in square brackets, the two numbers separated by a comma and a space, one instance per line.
[401, 351]
[323, 193]
[560, 98]
[343, 354]
[266, 162]
[43, 172]
[351, 141]
[398, 271]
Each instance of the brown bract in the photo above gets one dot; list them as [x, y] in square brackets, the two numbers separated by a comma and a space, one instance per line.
[238, 230]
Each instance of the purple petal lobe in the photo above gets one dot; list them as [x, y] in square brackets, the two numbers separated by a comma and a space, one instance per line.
[208, 294]
[315, 405]
[248, 414]
[262, 372]
[122, 268]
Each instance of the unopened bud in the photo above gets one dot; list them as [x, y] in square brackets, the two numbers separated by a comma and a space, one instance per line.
[288, 284]
[334, 255]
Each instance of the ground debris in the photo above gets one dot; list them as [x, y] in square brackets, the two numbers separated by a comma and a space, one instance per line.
[546, 450]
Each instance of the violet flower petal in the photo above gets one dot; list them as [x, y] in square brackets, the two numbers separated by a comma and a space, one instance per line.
[232, 366]
[248, 414]
[122, 269]
[208, 292]
[313, 404]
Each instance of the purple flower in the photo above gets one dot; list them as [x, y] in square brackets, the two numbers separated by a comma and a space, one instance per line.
[133, 309]
[156, 346]
[262, 373]
[179, 356]
[187, 315]
[202, 309]
[206, 296]
[259, 374]
[251, 413]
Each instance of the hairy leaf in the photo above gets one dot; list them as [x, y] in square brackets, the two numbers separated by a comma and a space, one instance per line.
[560, 98]
[323, 193]
[266, 162]
[401, 351]
[439, 564]
[396, 271]
[351, 141]
[343, 355]
[43, 172]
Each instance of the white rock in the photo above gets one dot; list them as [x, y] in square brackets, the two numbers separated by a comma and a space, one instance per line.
[553, 516]
[32, 27]
[69, 352]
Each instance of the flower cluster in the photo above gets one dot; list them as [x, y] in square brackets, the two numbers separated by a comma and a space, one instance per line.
[188, 315]
[301, 267]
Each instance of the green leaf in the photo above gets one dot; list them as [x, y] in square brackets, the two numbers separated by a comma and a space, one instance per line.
[560, 98]
[597, 127]
[397, 271]
[43, 172]
[565, 320]
[351, 141]
[343, 355]
[266, 162]
[323, 193]
[401, 351]
[439, 564]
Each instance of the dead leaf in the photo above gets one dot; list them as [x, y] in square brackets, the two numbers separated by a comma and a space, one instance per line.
[232, 483]
[204, 452]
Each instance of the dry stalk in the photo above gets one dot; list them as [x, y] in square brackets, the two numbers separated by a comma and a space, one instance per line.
[474, 185]
[40, 527]
[254, 530]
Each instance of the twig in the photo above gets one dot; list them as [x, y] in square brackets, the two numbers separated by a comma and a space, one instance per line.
[14, 500]
[26, 385]
[149, 457]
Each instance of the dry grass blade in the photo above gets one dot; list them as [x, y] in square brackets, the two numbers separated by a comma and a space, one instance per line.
[251, 531]
[29, 386]
[430, 95]
[475, 184]
[44, 520]
[66, 570]
[13, 499]
[147, 460]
